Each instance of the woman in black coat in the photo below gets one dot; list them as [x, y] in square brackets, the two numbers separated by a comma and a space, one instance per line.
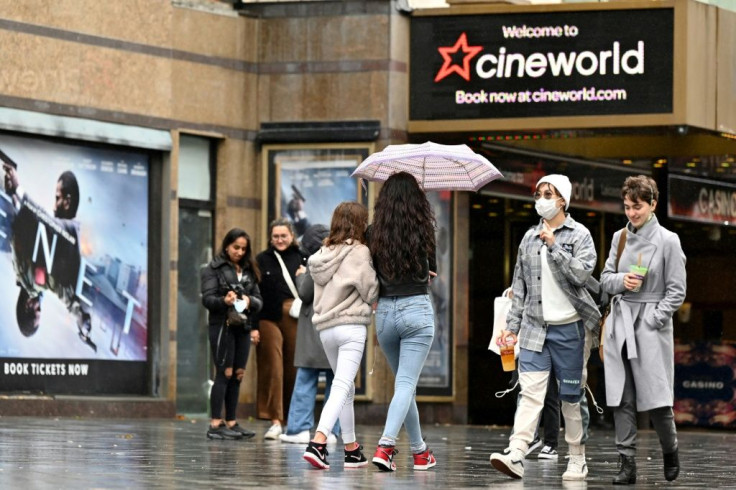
[231, 295]
[277, 329]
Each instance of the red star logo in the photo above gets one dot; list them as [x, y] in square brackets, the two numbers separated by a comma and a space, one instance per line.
[448, 66]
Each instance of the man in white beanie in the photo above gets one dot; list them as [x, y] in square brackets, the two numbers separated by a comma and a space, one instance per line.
[551, 312]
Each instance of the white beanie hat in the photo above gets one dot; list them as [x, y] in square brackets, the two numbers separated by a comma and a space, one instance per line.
[561, 183]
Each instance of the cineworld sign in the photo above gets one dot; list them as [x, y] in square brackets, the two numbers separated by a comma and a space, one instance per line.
[604, 62]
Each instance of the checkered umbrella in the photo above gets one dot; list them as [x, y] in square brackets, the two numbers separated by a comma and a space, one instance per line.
[436, 167]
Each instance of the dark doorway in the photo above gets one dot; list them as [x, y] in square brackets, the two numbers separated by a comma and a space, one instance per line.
[491, 233]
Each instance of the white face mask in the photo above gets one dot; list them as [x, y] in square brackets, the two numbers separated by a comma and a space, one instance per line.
[547, 208]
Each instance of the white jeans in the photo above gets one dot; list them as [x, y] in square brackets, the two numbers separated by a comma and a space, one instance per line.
[344, 346]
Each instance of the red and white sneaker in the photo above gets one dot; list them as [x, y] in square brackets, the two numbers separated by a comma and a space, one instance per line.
[425, 460]
[384, 458]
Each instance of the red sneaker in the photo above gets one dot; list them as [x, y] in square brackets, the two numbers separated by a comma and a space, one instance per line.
[384, 458]
[425, 460]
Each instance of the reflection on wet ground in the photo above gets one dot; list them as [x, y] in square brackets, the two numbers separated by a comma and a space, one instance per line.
[103, 453]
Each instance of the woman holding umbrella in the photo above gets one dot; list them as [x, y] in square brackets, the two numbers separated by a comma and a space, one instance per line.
[402, 244]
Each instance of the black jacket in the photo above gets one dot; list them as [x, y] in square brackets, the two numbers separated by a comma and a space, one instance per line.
[273, 286]
[405, 285]
[219, 277]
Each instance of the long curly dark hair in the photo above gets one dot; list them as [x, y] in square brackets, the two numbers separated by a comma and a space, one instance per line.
[248, 261]
[402, 234]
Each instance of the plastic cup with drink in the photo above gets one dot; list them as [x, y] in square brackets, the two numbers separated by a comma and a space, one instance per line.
[506, 347]
[640, 272]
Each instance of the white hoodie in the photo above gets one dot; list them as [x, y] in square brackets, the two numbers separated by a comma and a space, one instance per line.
[345, 285]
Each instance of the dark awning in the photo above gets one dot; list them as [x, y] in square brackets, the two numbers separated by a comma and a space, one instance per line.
[313, 132]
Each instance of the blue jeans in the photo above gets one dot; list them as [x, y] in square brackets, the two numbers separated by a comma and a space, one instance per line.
[405, 329]
[301, 410]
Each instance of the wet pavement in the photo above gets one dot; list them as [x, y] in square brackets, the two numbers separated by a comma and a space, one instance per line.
[40, 453]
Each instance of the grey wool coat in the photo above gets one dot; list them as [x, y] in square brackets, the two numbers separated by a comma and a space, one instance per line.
[309, 352]
[643, 320]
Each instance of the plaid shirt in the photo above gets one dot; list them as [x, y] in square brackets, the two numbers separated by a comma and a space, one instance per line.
[571, 260]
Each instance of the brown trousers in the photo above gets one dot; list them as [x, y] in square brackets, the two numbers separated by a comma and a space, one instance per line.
[276, 371]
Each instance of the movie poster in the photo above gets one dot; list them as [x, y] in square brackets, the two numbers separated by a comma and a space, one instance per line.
[73, 268]
[305, 185]
[435, 379]
[309, 191]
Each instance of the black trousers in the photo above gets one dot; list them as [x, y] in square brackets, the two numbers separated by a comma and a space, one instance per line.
[230, 348]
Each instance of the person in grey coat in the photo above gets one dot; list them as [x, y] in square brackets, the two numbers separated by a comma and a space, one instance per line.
[638, 345]
[309, 355]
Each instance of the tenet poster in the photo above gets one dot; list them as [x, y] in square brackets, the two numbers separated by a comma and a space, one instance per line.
[73, 268]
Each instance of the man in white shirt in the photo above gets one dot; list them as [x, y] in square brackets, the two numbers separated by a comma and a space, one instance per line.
[553, 314]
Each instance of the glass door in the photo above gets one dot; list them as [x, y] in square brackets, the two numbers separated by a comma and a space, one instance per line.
[192, 360]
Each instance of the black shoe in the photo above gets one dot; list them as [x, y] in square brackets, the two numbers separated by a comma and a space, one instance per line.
[316, 454]
[627, 471]
[671, 466]
[534, 445]
[355, 458]
[247, 434]
[222, 432]
[601, 422]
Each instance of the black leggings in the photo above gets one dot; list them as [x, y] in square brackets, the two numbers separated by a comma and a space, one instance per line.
[230, 348]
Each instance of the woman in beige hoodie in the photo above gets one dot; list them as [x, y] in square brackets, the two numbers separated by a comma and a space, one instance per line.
[345, 285]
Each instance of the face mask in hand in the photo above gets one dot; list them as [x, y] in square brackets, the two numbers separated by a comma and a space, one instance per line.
[547, 208]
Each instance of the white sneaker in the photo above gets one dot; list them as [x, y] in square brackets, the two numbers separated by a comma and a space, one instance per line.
[577, 468]
[547, 453]
[510, 463]
[273, 432]
[300, 438]
[331, 439]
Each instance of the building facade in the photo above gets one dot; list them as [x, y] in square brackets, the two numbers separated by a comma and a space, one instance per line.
[184, 119]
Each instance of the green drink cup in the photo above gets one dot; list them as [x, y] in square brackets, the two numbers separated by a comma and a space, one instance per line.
[640, 273]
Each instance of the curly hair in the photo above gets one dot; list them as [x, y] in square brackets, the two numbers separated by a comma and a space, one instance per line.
[248, 261]
[640, 187]
[349, 221]
[403, 232]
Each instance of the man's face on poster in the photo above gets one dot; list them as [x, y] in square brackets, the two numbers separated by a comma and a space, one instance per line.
[10, 179]
[61, 202]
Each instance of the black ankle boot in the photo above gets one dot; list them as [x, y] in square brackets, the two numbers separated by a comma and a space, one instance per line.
[627, 472]
[671, 466]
